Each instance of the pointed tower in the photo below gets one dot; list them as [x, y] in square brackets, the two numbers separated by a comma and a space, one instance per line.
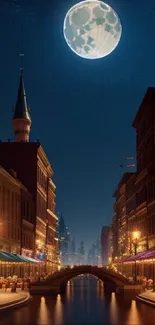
[21, 121]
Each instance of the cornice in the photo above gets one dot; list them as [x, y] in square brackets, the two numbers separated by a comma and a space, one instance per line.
[141, 175]
[43, 222]
[141, 208]
[52, 184]
[41, 191]
[42, 166]
[52, 228]
[27, 223]
[40, 233]
[43, 156]
[150, 204]
[52, 214]
[11, 178]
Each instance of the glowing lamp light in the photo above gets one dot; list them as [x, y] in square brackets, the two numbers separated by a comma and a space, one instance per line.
[92, 29]
[136, 235]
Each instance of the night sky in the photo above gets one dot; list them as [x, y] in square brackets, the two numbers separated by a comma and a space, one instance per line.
[82, 110]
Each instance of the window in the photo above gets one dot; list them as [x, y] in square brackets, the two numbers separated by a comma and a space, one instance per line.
[26, 243]
[12, 231]
[37, 174]
[150, 190]
[12, 205]
[24, 239]
[3, 200]
[139, 164]
[8, 203]
[27, 210]
[24, 209]
[31, 218]
[16, 206]
[18, 234]
[149, 154]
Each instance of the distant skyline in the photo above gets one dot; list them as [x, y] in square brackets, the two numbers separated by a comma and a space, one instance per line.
[82, 111]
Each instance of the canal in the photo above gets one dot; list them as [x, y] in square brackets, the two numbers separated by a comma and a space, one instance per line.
[84, 303]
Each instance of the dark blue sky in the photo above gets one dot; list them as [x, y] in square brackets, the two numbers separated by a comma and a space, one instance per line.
[81, 110]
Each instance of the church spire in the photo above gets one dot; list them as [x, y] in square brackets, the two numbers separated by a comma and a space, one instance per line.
[21, 108]
[21, 119]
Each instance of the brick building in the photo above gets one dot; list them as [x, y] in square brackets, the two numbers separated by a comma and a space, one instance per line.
[34, 171]
[135, 195]
[16, 211]
[120, 220]
[106, 245]
[145, 180]
[131, 209]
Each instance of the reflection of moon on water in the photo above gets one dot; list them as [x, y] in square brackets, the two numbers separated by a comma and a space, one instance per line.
[92, 29]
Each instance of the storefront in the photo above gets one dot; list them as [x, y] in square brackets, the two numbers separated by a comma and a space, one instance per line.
[137, 266]
[14, 264]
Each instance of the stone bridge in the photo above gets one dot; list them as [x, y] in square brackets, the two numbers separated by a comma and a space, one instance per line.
[57, 282]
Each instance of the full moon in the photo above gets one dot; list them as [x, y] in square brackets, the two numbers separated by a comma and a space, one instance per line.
[92, 29]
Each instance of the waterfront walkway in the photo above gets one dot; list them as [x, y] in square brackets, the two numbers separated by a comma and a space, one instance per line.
[147, 297]
[10, 300]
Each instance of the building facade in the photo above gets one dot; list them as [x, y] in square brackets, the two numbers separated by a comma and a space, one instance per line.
[131, 210]
[135, 194]
[16, 210]
[145, 181]
[66, 245]
[34, 171]
[94, 254]
[106, 245]
[27, 228]
[120, 219]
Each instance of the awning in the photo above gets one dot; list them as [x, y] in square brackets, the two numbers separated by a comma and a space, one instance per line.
[148, 254]
[135, 257]
[27, 259]
[122, 260]
[140, 256]
[10, 257]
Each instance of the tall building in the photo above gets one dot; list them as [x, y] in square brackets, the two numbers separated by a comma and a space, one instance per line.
[81, 253]
[120, 219]
[34, 171]
[106, 245]
[16, 211]
[94, 254]
[130, 210]
[64, 242]
[73, 251]
[144, 219]
[135, 194]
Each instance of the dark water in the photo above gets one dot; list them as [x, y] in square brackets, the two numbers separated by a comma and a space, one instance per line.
[85, 303]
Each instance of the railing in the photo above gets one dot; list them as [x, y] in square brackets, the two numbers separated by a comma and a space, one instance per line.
[85, 268]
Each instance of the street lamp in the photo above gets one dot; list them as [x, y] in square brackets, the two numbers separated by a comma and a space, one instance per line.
[135, 239]
[153, 276]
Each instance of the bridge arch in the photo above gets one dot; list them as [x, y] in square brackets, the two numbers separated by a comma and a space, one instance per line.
[61, 278]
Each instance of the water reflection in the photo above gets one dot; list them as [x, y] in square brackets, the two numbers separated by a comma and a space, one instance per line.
[69, 291]
[82, 289]
[100, 290]
[113, 309]
[58, 313]
[43, 313]
[85, 302]
[134, 316]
